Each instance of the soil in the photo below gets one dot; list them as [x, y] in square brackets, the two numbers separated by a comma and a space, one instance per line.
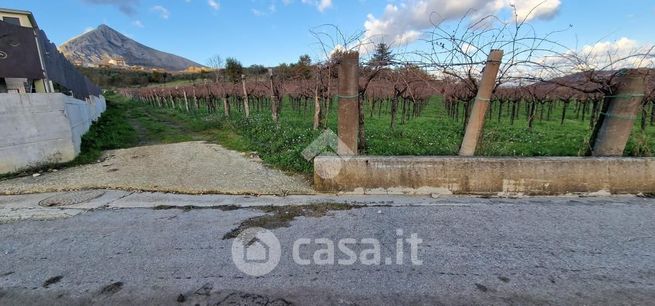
[188, 167]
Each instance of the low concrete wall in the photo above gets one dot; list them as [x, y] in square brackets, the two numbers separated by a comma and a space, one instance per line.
[37, 129]
[501, 176]
[81, 114]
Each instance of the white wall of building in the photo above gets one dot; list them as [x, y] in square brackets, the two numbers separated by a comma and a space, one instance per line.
[15, 85]
[24, 19]
[38, 129]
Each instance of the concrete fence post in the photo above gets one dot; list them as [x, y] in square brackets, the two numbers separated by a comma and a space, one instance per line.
[186, 101]
[274, 101]
[348, 103]
[618, 114]
[226, 107]
[246, 106]
[481, 104]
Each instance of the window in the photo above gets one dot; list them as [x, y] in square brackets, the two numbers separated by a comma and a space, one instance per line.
[11, 20]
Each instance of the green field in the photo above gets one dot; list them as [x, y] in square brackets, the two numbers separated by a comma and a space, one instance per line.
[431, 133]
[128, 123]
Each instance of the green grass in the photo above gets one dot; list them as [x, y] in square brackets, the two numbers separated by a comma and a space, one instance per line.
[178, 83]
[128, 123]
[111, 131]
[230, 139]
[432, 133]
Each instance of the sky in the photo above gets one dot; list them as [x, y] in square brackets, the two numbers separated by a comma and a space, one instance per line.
[270, 32]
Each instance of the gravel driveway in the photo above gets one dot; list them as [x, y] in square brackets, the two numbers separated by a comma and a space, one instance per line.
[189, 167]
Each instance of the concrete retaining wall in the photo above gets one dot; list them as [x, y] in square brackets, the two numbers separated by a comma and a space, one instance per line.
[501, 176]
[81, 114]
[38, 129]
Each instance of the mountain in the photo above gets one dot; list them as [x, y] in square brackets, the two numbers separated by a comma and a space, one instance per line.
[106, 46]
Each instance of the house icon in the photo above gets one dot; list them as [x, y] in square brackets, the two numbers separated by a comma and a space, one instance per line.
[256, 251]
[328, 143]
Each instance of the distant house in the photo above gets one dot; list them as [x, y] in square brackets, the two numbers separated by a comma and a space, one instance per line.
[26, 20]
[113, 62]
[118, 62]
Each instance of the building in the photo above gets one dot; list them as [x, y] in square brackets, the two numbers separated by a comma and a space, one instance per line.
[113, 62]
[46, 105]
[25, 20]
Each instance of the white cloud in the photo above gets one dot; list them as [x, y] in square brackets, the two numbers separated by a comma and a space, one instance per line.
[321, 5]
[128, 7]
[137, 23]
[402, 22]
[337, 48]
[468, 48]
[162, 11]
[622, 53]
[607, 47]
[602, 55]
[535, 9]
[270, 9]
[324, 4]
[214, 4]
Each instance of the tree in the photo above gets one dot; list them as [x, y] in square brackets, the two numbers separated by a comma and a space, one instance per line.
[303, 69]
[305, 60]
[257, 70]
[216, 63]
[233, 69]
[283, 72]
[382, 56]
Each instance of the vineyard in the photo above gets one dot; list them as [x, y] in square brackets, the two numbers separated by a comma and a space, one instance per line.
[403, 113]
[502, 91]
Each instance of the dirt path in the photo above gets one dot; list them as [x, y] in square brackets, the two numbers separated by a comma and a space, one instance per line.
[141, 132]
[188, 167]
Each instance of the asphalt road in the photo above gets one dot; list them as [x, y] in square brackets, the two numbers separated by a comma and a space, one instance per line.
[473, 251]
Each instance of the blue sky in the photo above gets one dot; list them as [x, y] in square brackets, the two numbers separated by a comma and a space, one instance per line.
[270, 32]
